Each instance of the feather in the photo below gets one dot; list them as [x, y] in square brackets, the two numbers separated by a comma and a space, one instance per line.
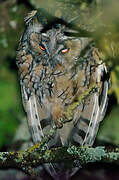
[30, 16]
[93, 123]
[30, 106]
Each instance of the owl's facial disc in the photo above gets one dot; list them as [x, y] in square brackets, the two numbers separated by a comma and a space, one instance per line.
[61, 49]
[52, 43]
[52, 47]
[49, 47]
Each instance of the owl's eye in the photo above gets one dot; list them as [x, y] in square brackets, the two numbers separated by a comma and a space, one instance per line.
[42, 48]
[65, 50]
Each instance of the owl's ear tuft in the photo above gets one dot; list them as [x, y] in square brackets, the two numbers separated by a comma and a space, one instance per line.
[30, 16]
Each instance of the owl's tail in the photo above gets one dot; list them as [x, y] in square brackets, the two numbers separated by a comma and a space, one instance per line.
[56, 171]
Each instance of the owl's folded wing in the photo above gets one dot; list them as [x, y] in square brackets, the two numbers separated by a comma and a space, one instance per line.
[91, 112]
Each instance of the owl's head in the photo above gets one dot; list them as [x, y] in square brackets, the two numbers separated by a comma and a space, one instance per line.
[52, 44]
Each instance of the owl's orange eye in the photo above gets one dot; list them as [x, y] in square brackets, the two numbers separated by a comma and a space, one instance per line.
[42, 48]
[65, 50]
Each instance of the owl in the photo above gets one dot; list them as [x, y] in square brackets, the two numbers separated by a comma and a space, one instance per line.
[63, 79]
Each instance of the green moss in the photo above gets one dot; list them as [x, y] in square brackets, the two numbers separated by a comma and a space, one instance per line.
[47, 154]
[113, 156]
[93, 155]
[87, 154]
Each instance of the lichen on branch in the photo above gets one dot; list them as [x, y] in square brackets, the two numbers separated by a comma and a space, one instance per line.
[29, 159]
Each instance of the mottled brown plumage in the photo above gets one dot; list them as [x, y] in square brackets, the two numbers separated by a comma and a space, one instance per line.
[62, 79]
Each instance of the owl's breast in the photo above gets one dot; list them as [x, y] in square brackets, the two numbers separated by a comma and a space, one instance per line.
[60, 86]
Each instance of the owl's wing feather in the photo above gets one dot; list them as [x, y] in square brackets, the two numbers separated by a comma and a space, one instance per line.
[31, 109]
[89, 137]
[98, 112]
[104, 100]
[93, 109]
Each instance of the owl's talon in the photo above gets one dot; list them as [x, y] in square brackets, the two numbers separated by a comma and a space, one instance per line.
[68, 120]
[59, 123]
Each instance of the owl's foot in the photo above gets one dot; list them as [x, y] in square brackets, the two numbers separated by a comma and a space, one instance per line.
[62, 120]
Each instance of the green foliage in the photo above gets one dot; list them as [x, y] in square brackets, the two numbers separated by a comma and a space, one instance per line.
[109, 131]
[115, 83]
[10, 106]
[11, 27]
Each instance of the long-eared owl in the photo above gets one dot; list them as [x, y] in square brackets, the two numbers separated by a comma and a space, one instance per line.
[63, 79]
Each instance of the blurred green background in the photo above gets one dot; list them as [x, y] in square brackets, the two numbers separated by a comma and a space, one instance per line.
[97, 17]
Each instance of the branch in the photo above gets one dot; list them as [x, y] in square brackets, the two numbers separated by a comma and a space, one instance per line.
[34, 156]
